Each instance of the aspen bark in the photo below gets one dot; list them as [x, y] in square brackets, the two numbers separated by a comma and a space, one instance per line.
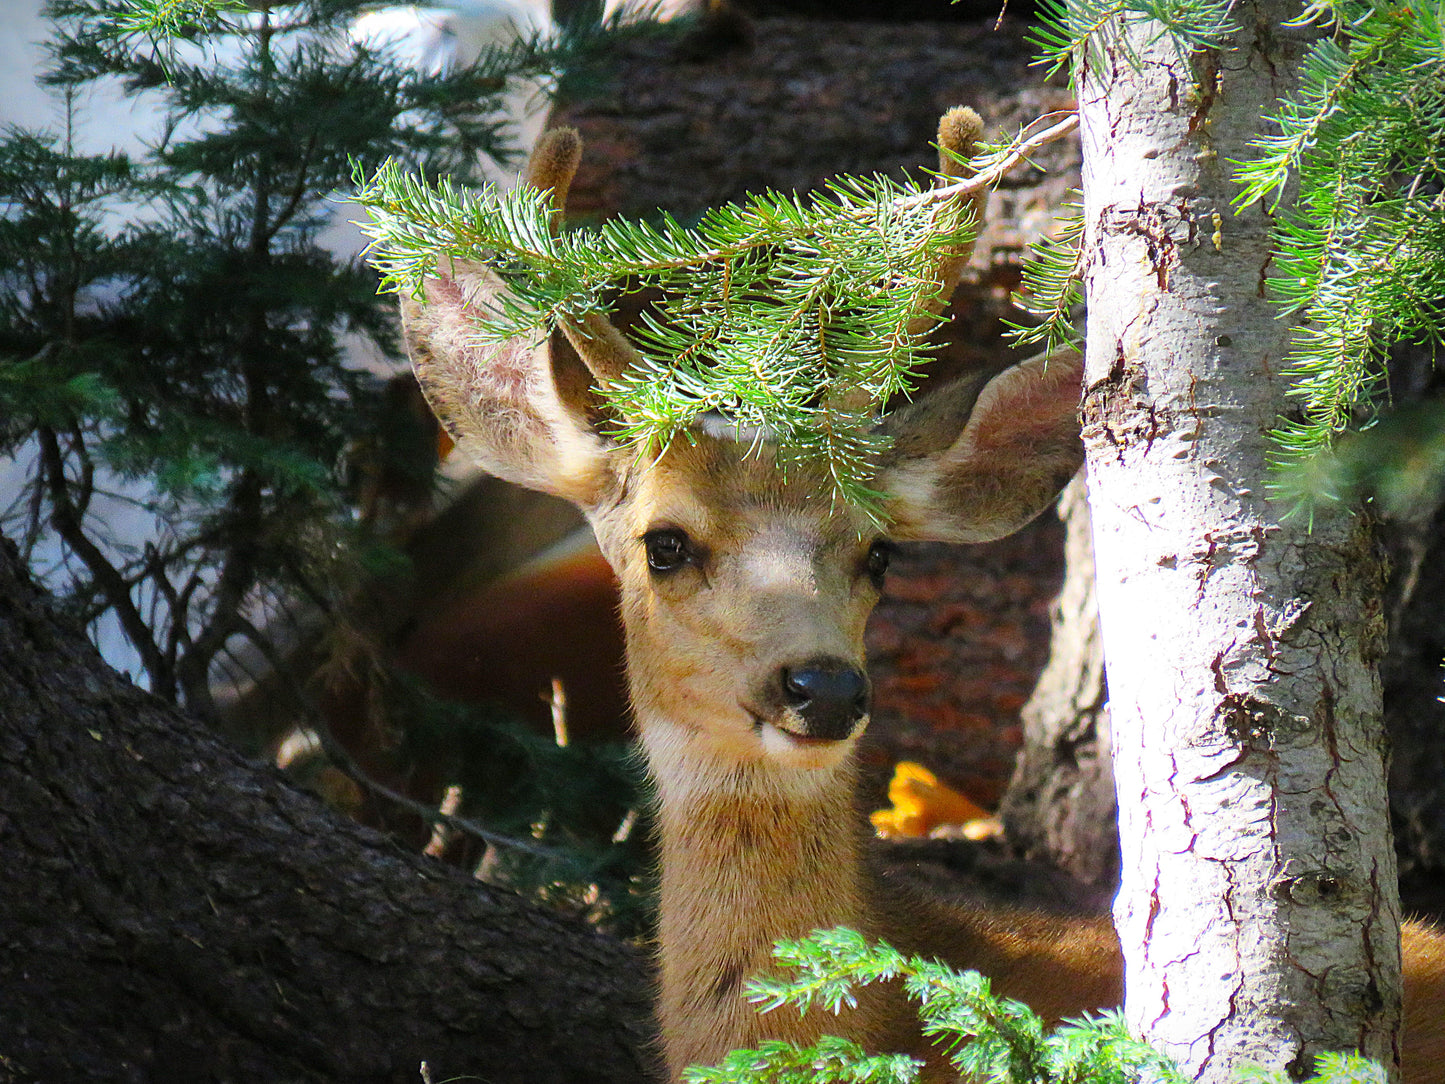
[1258, 909]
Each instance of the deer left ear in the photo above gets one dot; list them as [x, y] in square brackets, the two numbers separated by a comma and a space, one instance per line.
[979, 458]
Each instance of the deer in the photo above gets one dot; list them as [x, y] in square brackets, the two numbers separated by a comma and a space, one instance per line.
[744, 594]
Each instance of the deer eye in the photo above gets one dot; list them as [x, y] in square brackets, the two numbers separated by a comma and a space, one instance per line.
[668, 549]
[876, 563]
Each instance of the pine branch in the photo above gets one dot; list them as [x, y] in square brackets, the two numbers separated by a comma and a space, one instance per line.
[990, 1040]
[1329, 1069]
[777, 310]
[1052, 288]
[1361, 254]
[413, 222]
[1068, 29]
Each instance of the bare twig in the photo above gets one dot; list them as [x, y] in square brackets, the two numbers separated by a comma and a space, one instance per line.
[342, 761]
[68, 523]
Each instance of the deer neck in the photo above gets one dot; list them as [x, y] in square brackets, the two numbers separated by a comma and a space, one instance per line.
[755, 847]
[750, 853]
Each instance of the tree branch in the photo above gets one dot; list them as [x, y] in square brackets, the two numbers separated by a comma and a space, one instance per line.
[68, 522]
[214, 923]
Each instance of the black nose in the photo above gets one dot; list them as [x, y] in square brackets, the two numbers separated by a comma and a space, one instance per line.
[830, 695]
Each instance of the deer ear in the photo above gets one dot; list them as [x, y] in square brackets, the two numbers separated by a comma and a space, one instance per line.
[526, 409]
[523, 409]
[980, 457]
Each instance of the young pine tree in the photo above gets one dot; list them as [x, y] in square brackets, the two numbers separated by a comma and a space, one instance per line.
[173, 336]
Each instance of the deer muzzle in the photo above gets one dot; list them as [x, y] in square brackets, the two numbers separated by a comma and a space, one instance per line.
[828, 697]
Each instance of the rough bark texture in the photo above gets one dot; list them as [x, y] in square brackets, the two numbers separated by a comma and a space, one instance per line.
[1060, 806]
[171, 912]
[1060, 803]
[1258, 907]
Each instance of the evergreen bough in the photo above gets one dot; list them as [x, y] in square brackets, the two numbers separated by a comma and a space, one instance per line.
[990, 1040]
[1361, 252]
[796, 317]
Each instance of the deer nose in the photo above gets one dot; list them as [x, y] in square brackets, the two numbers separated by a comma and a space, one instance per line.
[829, 695]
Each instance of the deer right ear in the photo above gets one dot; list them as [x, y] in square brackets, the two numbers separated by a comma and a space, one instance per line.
[525, 409]
[520, 408]
[978, 459]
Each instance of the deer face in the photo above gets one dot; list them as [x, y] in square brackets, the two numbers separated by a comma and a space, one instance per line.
[744, 591]
[744, 597]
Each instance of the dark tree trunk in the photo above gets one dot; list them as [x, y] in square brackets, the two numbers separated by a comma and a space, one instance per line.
[171, 912]
[1060, 803]
[1414, 713]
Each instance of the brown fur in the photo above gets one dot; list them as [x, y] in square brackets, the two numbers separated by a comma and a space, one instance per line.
[758, 837]
[1422, 1039]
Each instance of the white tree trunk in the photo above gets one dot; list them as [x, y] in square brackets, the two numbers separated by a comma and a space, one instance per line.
[1258, 912]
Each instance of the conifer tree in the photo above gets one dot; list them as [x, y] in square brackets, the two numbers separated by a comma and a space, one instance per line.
[177, 353]
[173, 332]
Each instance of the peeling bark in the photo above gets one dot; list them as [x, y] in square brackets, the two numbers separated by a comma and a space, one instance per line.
[1258, 907]
[172, 912]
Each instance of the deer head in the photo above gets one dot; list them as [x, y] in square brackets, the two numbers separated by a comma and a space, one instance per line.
[744, 592]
